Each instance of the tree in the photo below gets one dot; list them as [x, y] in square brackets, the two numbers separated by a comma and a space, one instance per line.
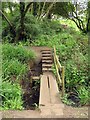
[43, 10]
[73, 12]
[23, 11]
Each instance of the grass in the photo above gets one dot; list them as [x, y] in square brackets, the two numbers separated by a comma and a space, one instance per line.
[14, 67]
[11, 96]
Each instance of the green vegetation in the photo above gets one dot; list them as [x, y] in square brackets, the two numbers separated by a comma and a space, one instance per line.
[15, 60]
[72, 49]
[14, 67]
[11, 96]
[44, 24]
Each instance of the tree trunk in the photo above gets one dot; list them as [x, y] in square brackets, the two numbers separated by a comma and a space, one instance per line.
[22, 9]
[21, 33]
[39, 9]
[79, 24]
[48, 14]
[34, 8]
[42, 10]
[88, 19]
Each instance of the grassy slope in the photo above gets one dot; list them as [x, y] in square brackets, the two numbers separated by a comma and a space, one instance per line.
[72, 48]
[14, 66]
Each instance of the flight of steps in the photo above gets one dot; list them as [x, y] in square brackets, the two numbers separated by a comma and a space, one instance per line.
[47, 60]
[49, 99]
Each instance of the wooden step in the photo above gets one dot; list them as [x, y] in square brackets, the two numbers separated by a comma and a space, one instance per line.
[46, 69]
[47, 61]
[35, 77]
[46, 65]
[46, 55]
[48, 52]
[46, 58]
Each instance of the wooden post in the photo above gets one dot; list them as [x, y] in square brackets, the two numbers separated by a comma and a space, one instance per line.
[63, 83]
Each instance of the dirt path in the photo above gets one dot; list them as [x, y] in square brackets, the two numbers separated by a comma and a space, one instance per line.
[38, 53]
[71, 112]
[68, 112]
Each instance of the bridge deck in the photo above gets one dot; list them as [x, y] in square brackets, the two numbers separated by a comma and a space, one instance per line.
[49, 102]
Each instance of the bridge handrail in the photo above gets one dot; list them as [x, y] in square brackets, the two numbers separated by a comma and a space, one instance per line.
[60, 72]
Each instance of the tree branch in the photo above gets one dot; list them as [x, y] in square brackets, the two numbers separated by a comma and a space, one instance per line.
[6, 18]
[43, 9]
[49, 8]
[8, 21]
[27, 7]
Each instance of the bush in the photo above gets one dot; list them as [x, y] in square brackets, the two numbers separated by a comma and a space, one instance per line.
[17, 52]
[83, 94]
[33, 28]
[11, 95]
[15, 59]
[13, 68]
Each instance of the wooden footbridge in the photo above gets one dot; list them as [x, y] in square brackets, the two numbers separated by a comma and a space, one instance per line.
[49, 100]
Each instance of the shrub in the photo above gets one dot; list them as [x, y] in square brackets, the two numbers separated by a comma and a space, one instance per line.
[17, 52]
[83, 94]
[15, 59]
[33, 27]
[13, 68]
[11, 95]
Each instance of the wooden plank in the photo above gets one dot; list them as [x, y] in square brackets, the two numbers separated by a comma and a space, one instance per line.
[44, 99]
[58, 63]
[46, 52]
[46, 58]
[46, 55]
[59, 67]
[56, 59]
[46, 69]
[54, 91]
[59, 78]
[47, 61]
[35, 77]
[57, 70]
[47, 65]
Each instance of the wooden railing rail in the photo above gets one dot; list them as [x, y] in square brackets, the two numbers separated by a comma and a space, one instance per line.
[60, 71]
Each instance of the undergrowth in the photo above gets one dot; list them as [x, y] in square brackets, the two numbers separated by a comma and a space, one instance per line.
[72, 49]
[14, 67]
